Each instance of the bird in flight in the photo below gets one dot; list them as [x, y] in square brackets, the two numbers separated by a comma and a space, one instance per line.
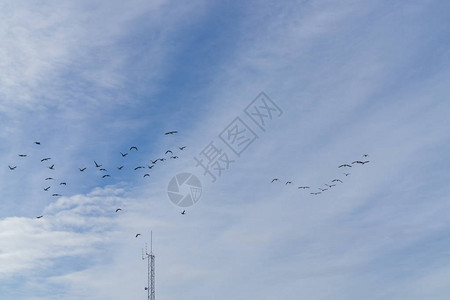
[275, 179]
[366, 155]
[97, 165]
[336, 180]
[102, 169]
[46, 189]
[135, 148]
[174, 157]
[146, 175]
[170, 132]
[161, 159]
[364, 162]
[169, 151]
[150, 166]
[120, 168]
[155, 161]
[22, 155]
[123, 155]
[303, 187]
[12, 168]
[118, 209]
[38, 217]
[44, 159]
[344, 165]
[330, 186]
[346, 174]
[56, 195]
[182, 148]
[323, 190]
[317, 193]
[288, 182]
[48, 178]
[183, 212]
[63, 183]
[37, 143]
[52, 167]
[81, 170]
[106, 176]
[138, 234]
[139, 167]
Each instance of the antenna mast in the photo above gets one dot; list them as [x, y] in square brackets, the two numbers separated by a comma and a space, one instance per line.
[150, 288]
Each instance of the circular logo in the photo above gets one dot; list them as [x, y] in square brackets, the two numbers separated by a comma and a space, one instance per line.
[184, 189]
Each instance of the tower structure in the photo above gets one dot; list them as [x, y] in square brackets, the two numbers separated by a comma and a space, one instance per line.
[150, 288]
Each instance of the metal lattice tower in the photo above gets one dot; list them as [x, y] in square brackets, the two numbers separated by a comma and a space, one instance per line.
[150, 269]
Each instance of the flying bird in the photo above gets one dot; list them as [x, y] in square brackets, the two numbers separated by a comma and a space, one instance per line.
[150, 166]
[123, 155]
[336, 180]
[46, 189]
[106, 176]
[120, 168]
[146, 175]
[139, 167]
[102, 169]
[364, 162]
[169, 151]
[63, 183]
[174, 157]
[22, 155]
[138, 234]
[118, 209]
[154, 161]
[12, 168]
[323, 190]
[344, 165]
[52, 167]
[56, 195]
[97, 165]
[366, 155]
[275, 179]
[183, 212]
[317, 193]
[303, 187]
[38, 217]
[161, 159]
[330, 186]
[182, 148]
[288, 182]
[81, 170]
[37, 143]
[170, 132]
[135, 148]
[44, 159]
[346, 174]
[48, 178]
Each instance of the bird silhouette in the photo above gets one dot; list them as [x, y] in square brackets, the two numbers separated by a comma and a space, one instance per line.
[288, 182]
[161, 159]
[22, 155]
[139, 167]
[366, 155]
[336, 180]
[330, 186]
[174, 157]
[364, 162]
[135, 148]
[52, 167]
[150, 167]
[146, 175]
[138, 234]
[12, 168]
[46, 189]
[102, 169]
[37, 143]
[44, 159]
[317, 193]
[154, 161]
[56, 195]
[275, 179]
[38, 217]
[183, 212]
[97, 165]
[303, 187]
[120, 168]
[118, 209]
[106, 176]
[123, 155]
[170, 132]
[48, 178]
[63, 183]
[323, 190]
[182, 148]
[344, 165]
[81, 170]
[346, 174]
[169, 151]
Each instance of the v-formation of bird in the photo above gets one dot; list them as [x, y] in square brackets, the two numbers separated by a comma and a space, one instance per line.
[335, 181]
[98, 166]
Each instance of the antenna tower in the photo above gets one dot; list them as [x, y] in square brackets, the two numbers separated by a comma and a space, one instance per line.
[150, 288]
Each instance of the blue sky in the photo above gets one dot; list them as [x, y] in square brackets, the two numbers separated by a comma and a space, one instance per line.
[90, 79]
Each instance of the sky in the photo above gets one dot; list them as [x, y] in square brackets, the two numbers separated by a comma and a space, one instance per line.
[340, 79]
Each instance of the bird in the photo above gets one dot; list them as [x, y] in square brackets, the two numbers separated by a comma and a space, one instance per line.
[330, 186]
[102, 169]
[38, 217]
[44, 159]
[81, 170]
[46, 189]
[323, 190]
[183, 212]
[174, 157]
[52, 167]
[317, 193]
[169, 151]
[56, 195]
[346, 174]
[123, 155]
[22, 155]
[364, 162]
[336, 180]
[275, 179]
[118, 209]
[154, 161]
[161, 159]
[170, 132]
[182, 148]
[356, 162]
[146, 175]
[139, 167]
[37, 143]
[120, 168]
[97, 165]
[135, 148]
[344, 165]
[138, 234]
[12, 168]
[288, 182]
[106, 176]
[303, 187]
[366, 155]
[63, 183]
[48, 178]
[150, 166]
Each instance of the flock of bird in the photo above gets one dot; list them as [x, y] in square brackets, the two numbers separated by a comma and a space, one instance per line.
[333, 182]
[100, 167]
